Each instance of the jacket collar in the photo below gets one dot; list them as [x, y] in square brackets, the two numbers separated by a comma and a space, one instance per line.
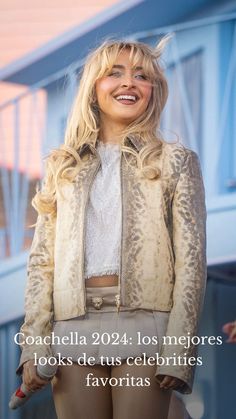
[89, 146]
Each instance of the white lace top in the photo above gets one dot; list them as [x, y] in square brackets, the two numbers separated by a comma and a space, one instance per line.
[103, 217]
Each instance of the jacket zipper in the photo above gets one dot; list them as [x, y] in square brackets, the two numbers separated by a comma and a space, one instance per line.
[121, 239]
[85, 208]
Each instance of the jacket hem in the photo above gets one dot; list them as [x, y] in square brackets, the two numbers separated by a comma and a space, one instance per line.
[76, 312]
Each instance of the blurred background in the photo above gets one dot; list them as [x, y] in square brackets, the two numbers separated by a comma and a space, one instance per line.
[43, 45]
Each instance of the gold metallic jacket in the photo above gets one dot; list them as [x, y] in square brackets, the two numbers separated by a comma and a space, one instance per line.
[163, 250]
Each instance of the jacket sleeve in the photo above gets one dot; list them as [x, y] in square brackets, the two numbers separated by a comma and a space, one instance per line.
[39, 290]
[189, 245]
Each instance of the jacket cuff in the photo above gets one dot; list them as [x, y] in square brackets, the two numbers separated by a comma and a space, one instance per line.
[177, 372]
[32, 353]
[184, 372]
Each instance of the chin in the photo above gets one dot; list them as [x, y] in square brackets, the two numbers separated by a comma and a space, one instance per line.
[128, 119]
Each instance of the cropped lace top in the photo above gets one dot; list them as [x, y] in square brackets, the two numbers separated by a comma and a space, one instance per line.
[103, 216]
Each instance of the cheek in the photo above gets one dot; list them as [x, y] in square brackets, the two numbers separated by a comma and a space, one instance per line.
[147, 93]
[103, 87]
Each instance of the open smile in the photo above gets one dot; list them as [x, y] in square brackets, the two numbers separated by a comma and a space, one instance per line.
[127, 99]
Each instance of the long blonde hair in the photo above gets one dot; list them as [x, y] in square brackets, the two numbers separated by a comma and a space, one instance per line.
[83, 123]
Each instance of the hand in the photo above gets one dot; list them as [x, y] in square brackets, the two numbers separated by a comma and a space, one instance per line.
[30, 378]
[170, 383]
[230, 330]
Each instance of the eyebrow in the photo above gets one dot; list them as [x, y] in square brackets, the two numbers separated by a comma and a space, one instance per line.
[122, 67]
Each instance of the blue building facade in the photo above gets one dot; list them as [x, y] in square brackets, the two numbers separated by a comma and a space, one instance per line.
[200, 64]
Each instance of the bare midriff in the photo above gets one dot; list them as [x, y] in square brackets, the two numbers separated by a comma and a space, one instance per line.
[102, 281]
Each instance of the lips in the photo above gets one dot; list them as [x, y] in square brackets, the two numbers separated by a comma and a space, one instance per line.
[127, 99]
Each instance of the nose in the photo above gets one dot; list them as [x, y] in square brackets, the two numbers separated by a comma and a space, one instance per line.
[128, 80]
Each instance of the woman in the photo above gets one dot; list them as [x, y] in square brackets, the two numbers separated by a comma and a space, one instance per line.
[119, 245]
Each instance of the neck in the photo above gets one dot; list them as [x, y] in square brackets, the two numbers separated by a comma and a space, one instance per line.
[111, 133]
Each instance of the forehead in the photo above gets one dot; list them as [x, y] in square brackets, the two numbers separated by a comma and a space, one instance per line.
[128, 56]
[125, 56]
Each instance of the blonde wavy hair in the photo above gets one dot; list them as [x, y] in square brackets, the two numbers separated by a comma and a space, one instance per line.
[83, 124]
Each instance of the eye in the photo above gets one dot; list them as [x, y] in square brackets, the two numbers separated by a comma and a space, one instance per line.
[141, 76]
[115, 74]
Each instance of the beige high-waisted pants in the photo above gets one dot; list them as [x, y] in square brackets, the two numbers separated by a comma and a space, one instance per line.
[74, 400]
[77, 398]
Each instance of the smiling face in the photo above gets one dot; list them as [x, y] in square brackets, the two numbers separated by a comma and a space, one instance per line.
[123, 94]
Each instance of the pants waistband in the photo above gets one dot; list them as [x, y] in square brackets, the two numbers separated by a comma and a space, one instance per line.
[104, 299]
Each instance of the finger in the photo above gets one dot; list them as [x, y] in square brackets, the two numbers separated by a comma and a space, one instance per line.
[166, 382]
[40, 381]
[26, 378]
[32, 381]
[171, 384]
[31, 386]
[35, 377]
[37, 385]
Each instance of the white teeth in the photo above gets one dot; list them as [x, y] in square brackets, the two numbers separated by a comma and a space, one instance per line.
[128, 97]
